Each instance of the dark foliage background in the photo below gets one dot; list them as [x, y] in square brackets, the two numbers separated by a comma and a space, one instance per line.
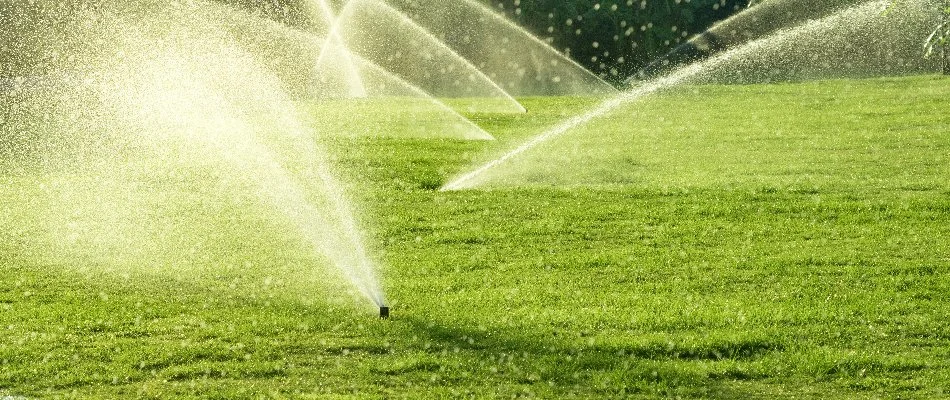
[616, 38]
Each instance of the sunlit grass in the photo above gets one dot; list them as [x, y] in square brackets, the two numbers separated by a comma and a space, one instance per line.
[734, 282]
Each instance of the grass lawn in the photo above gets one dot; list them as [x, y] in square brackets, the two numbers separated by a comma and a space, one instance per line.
[770, 241]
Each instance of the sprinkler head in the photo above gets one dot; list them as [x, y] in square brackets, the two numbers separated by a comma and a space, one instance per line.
[384, 312]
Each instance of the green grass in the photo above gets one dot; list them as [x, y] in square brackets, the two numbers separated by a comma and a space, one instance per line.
[862, 134]
[771, 242]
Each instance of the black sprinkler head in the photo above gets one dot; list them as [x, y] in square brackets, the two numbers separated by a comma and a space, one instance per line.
[383, 312]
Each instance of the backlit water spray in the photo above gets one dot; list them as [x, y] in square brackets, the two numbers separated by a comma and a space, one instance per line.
[291, 172]
[518, 61]
[385, 36]
[473, 178]
[749, 24]
[334, 51]
[862, 16]
[166, 131]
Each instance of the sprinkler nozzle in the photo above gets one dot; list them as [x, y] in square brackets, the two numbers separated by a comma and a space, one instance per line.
[384, 312]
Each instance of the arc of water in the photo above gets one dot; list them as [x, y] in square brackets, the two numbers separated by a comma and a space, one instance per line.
[356, 86]
[469, 179]
[481, 133]
[165, 100]
[350, 8]
[362, 274]
[507, 22]
[360, 63]
[678, 76]
[741, 27]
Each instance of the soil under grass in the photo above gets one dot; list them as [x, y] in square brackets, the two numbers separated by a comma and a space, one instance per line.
[746, 254]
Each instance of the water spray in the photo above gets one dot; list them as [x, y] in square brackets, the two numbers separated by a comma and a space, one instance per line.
[738, 59]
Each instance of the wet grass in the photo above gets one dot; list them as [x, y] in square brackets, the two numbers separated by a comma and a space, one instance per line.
[724, 288]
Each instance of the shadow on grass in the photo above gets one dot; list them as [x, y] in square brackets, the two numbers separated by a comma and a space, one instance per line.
[573, 367]
[192, 333]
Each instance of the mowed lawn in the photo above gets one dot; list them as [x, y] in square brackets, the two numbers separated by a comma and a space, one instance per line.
[766, 241]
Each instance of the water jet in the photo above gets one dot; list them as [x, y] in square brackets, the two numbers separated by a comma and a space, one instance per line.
[752, 23]
[376, 31]
[523, 65]
[155, 135]
[859, 41]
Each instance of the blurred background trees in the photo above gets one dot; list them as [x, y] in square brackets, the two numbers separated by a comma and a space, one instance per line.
[616, 38]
